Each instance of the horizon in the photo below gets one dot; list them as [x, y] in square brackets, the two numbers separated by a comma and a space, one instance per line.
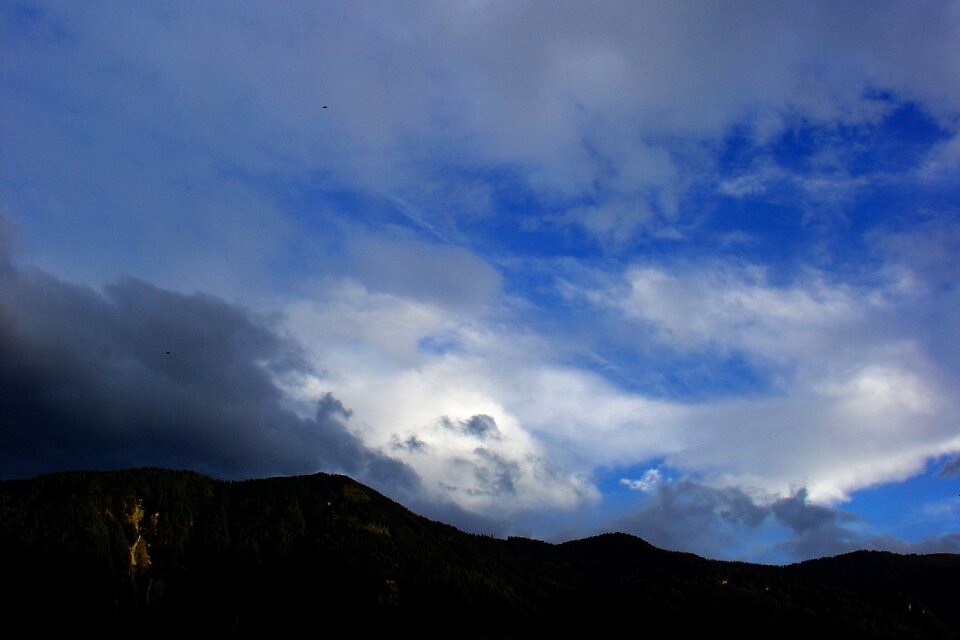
[598, 534]
[687, 271]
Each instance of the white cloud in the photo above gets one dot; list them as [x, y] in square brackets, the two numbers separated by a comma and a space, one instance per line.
[734, 307]
[614, 224]
[649, 481]
[370, 347]
[858, 398]
[379, 326]
[852, 407]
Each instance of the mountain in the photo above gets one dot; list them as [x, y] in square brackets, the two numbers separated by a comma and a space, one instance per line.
[154, 552]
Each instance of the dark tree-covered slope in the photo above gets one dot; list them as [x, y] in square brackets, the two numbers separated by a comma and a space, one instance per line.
[156, 552]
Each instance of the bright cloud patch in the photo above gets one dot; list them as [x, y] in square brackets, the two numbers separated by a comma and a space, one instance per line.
[646, 483]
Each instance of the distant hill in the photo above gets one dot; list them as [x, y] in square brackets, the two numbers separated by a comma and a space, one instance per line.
[156, 552]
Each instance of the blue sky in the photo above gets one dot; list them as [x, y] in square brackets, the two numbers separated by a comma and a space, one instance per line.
[688, 270]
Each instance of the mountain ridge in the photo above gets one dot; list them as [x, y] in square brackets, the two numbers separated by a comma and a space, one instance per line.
[166, 550]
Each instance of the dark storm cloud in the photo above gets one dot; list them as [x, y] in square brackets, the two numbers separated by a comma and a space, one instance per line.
[138, 375]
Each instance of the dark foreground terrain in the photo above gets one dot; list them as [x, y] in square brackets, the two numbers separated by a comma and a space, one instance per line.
[154, 552]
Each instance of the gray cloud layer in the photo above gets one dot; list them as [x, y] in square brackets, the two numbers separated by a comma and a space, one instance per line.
[689, 516]
[138, 375]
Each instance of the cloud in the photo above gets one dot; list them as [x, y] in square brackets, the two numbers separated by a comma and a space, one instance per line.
[942, 164]
[441, 274]
[817, 530]
[411, 443]
[6, 240]
[686, 515]
[850, 404]
[482, 426]
[495, 474]
[192, 148]
[730, 306]
[718, 522]
[947, 543]
[579, 105]
[818, 188]
[430, 385]
[854, 390]
[952, 468]
[649, 481]
[795, 512]
[138, 375]
[850, 392]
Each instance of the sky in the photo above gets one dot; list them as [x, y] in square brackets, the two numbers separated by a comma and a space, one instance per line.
[689, 270]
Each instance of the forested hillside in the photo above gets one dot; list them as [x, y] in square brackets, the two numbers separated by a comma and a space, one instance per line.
[165, 551]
